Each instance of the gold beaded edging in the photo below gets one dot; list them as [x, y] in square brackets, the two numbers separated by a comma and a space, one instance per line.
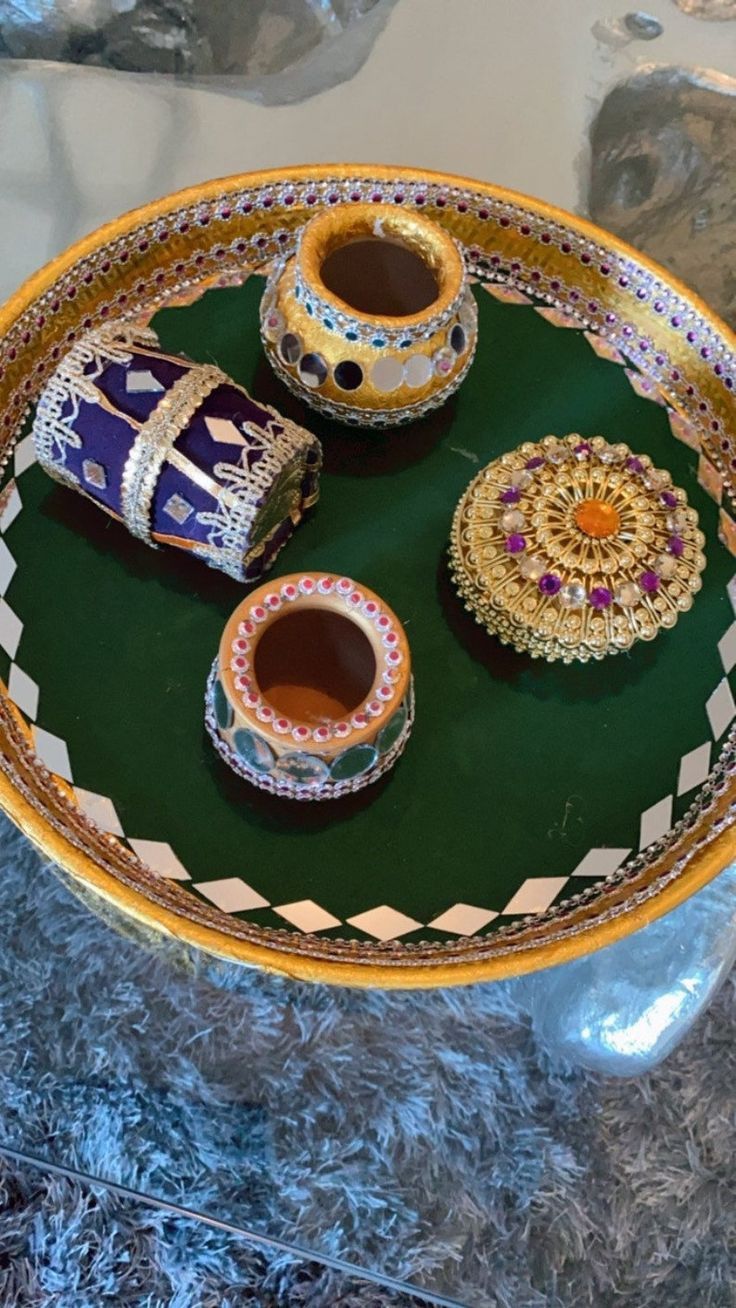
[519, 243]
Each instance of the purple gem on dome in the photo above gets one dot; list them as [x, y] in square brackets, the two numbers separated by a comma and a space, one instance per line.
[649, 582]
[549, 584]
[583, 448]
[536, 462]
[515, 544]
[634, 465]
[676, 546]
[600, 597]
[668, 499]
[511, 496]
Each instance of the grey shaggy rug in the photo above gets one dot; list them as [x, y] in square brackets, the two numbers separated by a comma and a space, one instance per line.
[422, 1134]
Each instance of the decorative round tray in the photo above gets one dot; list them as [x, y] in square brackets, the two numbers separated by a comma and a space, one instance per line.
[539, 810]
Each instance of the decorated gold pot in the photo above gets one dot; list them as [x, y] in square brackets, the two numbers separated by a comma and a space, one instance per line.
[371, 321]
[311, 694]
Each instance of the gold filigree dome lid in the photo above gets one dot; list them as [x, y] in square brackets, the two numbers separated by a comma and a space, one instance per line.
[575, 548]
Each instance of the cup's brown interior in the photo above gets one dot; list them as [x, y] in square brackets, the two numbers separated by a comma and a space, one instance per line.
[379, 277]
[314, 665]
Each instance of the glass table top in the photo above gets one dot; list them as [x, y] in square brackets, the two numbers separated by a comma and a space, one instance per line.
[280, 1109]
[600, 112]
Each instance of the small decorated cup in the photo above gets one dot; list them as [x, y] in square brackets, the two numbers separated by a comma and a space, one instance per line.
[311, 694]
[372, 320]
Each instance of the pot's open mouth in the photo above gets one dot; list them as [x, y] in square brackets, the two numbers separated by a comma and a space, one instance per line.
[314, 666]
[380, 277]
[380, 264]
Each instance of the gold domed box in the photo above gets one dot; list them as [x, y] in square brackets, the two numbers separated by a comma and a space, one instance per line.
[573, 549]
[372, 320]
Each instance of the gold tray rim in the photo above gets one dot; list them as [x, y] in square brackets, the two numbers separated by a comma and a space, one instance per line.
[704, 858]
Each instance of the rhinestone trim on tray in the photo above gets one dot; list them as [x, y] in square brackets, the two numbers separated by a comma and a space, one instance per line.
[301, 195]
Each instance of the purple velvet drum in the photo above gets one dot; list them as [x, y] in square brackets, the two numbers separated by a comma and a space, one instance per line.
[176, 451]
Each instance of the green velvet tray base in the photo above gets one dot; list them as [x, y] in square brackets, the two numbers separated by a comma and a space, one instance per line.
[515, 769]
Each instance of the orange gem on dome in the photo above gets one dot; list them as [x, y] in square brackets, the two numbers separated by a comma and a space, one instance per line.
[597, 518]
